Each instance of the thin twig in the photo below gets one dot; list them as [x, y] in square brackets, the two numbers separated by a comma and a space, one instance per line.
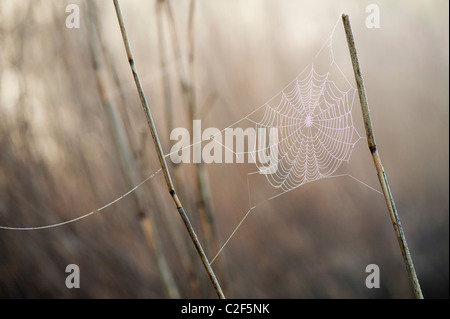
[162, 160]
[159, 11]
[127, 160]
[377, 161]
[203, 194]
[163, 63]
[186, 79]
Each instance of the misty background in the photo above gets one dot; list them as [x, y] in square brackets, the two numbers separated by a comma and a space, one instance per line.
[73, 138]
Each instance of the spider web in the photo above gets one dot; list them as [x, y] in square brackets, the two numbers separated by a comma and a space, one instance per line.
[316, 134]
[313, 118]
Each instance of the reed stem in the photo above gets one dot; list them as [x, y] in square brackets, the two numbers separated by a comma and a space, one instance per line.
[127, 160]
[377, 161]
[162, 160]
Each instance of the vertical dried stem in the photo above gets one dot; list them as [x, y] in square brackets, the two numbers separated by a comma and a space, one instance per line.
[163, 63]
[162, 160]
[186, 77]
[159, 11]
[127, 159]
[377, 161]
[203, 194]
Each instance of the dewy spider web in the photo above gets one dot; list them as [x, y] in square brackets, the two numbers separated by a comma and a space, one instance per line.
[313, 118]
[316, 134]
[312, 115]
[315, 129]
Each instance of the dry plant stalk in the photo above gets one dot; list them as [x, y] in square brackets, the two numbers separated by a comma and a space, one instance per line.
[377, 161]
[186, 81]
[162, 160]
[163, 63]
[127, 159]
[194, 283]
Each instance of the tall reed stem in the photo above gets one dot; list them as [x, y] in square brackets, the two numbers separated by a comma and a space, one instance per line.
[124, 149]
[186, 77]
[162, 160]
[377, 161]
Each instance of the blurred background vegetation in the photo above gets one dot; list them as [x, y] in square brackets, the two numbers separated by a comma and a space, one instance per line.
[73, 138]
